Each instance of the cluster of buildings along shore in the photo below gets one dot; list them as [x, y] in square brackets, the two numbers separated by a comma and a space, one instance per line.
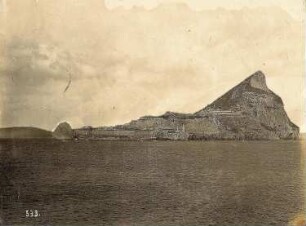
[125, 134]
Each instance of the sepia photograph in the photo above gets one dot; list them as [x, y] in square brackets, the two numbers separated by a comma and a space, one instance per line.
[152, 113]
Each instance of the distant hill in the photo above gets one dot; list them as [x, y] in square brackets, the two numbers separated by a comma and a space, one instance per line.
[24, 132]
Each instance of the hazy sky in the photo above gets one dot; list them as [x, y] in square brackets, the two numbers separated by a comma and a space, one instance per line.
[128, 58]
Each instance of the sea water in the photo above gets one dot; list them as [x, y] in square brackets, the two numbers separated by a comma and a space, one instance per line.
[50, 182]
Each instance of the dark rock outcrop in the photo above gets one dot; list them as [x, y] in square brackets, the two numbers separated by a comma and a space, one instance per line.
[249, 111]
[63, 131]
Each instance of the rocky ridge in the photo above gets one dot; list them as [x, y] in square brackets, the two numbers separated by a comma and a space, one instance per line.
[249, 111]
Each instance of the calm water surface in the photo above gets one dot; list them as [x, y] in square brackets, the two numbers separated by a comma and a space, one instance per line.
[151, 183]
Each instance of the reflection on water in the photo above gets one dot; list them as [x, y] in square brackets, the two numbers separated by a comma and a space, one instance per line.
[151, 183]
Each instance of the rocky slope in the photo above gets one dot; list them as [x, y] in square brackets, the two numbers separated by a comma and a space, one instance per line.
[249, 111]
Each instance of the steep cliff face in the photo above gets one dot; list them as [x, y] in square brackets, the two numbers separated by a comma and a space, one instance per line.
[249, 111]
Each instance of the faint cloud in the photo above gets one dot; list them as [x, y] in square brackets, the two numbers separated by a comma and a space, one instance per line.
[295, 8]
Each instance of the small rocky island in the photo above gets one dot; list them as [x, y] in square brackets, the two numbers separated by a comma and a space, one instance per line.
[249, 111]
